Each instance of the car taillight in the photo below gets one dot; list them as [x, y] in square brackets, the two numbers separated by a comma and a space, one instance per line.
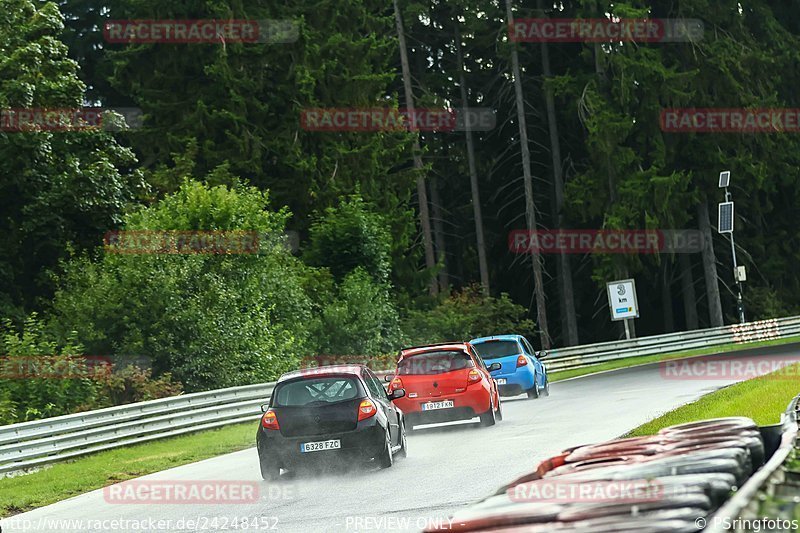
[270, 420]
[473, 377]
[396, 383]
[521, 361]
[366, 409]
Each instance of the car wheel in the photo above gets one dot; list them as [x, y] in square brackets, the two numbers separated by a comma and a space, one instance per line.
[488, 418]
[499, 415]
[270, 471]
[546, 389]
[385, 459]
[533, 392]
[403, 441]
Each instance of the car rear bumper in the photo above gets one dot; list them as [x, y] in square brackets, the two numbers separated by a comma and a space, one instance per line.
[362, 443]
[466, 405]
[516, 383]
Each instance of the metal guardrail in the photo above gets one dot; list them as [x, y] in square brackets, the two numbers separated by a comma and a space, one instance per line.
[590, 354]
[39, 442]
[36, 443]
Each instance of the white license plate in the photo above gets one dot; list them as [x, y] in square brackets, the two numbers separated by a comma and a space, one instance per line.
[501, 381]
[430, 406]
[319, 446]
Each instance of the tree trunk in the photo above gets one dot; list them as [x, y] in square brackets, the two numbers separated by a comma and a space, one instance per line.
[569, 322]
[422, 194]
[473, 172]
[687, 290]
[530, 207]
[666, 298]
[710, 266]
[438, 236]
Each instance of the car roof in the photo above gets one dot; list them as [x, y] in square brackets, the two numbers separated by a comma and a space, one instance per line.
[444, 346]
[510, 337]
[355, 370]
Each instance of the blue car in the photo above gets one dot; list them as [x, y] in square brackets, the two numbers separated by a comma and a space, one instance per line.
[522, 370]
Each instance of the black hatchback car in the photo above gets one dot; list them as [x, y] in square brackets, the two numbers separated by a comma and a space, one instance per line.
[326, 412]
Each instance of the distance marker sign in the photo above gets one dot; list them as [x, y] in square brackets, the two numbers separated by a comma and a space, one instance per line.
[622, 299]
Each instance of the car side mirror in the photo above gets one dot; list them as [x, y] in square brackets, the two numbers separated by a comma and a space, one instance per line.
[495, 366]
[397, 393]
[387, 378]
[264, 407]
[541, 354]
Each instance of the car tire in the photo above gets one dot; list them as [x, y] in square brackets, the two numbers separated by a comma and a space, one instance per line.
[270, 471]
[488, 418]
[499, 414]
[385, 458]
[403, 441]
[533, 392]
[546, 389]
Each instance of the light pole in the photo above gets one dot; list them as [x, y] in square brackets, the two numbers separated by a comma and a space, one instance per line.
[725, 225]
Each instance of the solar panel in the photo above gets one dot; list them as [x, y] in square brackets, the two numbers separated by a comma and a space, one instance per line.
[724, 178]
[725, 219]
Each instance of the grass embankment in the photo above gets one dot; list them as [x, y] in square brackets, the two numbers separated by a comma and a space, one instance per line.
[64, 480]
[644, 359]
[763, 399]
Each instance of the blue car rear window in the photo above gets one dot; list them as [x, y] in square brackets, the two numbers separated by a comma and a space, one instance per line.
[497, 349]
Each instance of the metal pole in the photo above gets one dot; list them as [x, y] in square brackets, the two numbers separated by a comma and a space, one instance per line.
[627, 329]
[739, 302]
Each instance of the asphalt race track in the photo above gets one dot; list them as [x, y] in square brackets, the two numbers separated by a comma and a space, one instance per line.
[447, 466]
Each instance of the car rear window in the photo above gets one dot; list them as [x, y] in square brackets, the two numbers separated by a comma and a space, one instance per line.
[496, 349]
[316, 391]
[434, 363]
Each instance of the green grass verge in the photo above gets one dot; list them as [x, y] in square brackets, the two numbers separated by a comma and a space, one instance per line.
[763, 399]
[558, 375]
[64, 480]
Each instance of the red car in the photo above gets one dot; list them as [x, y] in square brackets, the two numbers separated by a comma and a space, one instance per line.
[445, 382]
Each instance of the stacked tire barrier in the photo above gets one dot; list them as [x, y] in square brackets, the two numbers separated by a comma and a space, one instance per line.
[675, 481]
[770, 500]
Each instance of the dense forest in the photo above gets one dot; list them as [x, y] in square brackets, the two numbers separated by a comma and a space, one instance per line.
[369, 240]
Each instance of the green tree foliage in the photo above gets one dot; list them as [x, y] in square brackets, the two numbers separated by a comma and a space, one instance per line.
[466, 315]
[349, 236]
[213, 320]
[357, 310]
[360, 319]
[57, 189]
[32, 374]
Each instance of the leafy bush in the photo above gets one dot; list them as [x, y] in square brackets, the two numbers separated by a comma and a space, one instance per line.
[351, 236]
[133, 384]
[360, 318]
[33, 383]
[467, 314]
[212, 320]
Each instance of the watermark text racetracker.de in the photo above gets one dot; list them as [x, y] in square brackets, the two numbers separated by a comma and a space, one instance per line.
[181, 242]
[55, 366]
[566, 491]
[605, 241]
[193, 492]
[389, 119]
[727, 367]
[730, 120]
[599, 30]
[33, 119]
[187, 523]
[201, 31]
